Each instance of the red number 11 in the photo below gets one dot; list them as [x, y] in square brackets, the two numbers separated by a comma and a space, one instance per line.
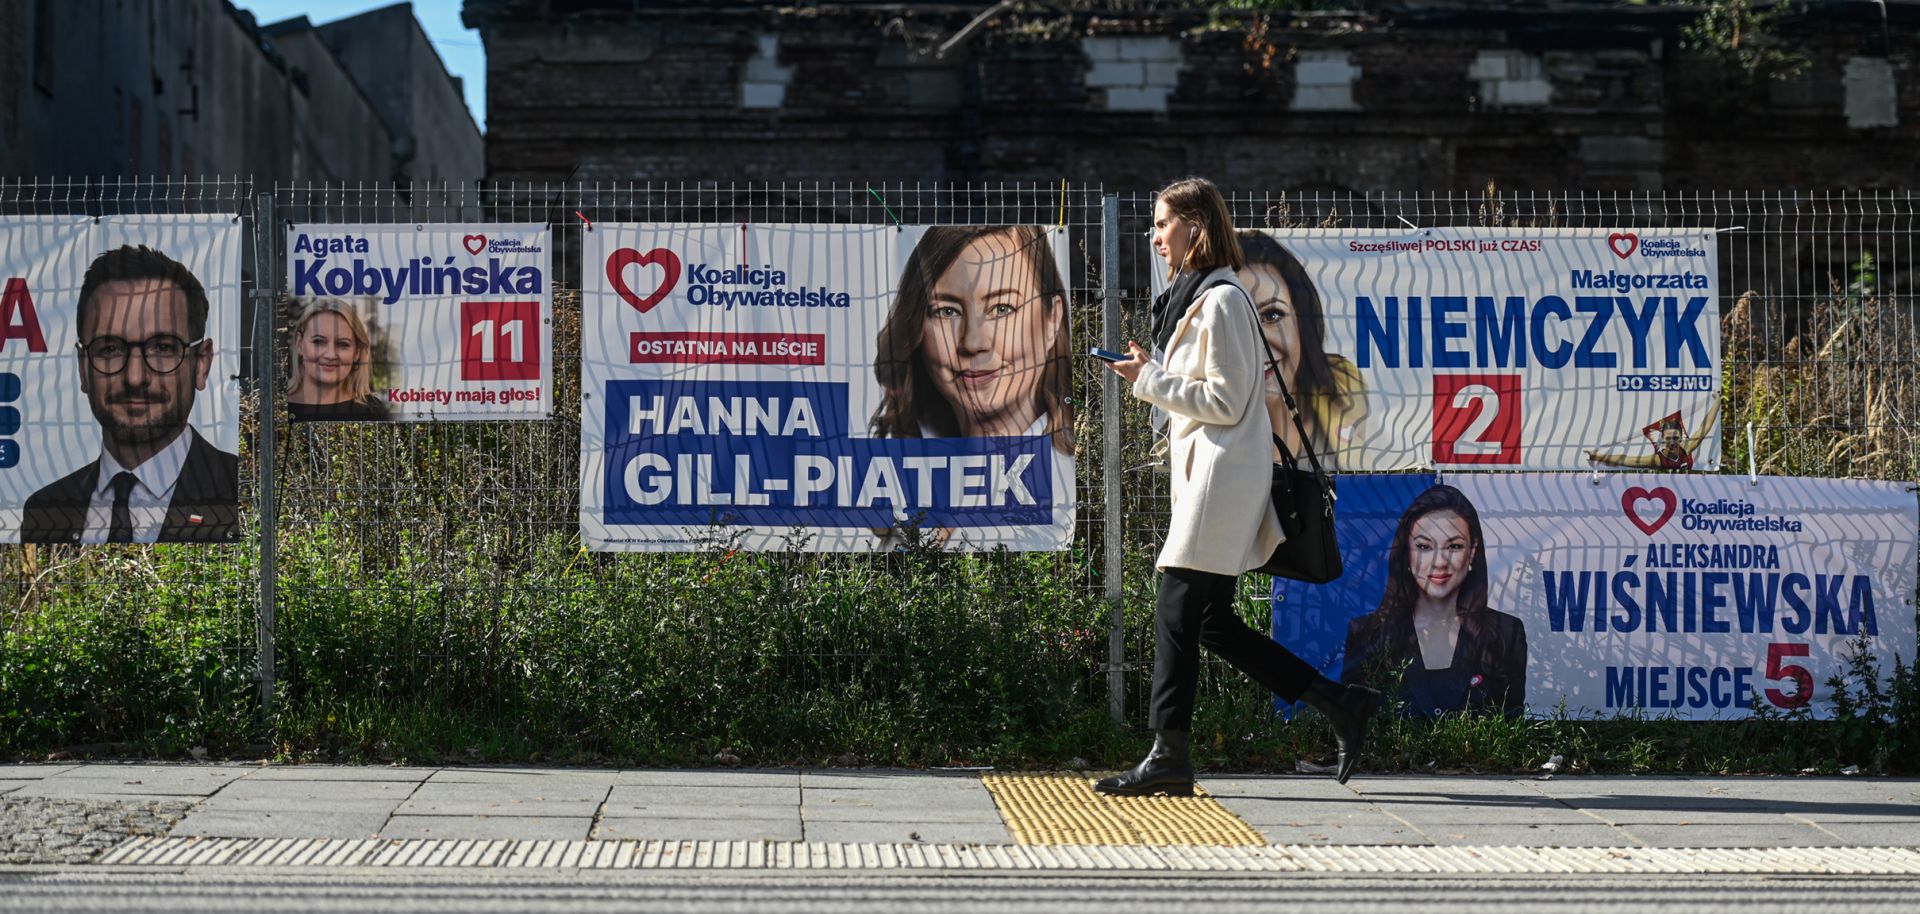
[500, 341]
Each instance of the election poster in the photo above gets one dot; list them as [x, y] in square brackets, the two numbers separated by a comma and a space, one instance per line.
[835, 388]
[419, 323]
[1495, 348]
[1633, 594]
[119, 368]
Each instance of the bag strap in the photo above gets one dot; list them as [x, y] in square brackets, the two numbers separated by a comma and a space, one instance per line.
[1286, 396]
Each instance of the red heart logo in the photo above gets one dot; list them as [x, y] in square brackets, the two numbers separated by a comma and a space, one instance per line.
[620, 260]
[1623, 244]
[1631, 499]
[475, 243]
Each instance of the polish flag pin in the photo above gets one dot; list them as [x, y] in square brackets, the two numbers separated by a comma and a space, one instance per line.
[195, 519]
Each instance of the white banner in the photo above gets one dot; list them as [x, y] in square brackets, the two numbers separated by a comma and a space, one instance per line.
[1690, 595]
[825, 387]
[420, 323]
[1489, 348]
[119, 418]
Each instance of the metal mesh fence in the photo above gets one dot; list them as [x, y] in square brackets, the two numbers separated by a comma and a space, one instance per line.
[464, 535]
[442, 561]
[176, 620]
[1818, 344]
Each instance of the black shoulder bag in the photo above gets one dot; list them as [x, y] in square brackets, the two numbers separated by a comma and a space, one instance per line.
[1303, 498]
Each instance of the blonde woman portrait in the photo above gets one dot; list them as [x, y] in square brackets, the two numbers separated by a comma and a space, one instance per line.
[332, 366]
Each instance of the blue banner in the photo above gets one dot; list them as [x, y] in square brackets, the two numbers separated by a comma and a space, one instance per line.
[1622, 594]
[770, 453]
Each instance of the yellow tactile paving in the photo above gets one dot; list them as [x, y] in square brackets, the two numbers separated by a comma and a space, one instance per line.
[1063, 809]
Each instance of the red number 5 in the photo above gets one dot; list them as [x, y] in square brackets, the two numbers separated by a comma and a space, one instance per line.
[1802, 678]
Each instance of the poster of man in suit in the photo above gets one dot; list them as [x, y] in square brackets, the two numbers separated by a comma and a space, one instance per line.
[118, 346]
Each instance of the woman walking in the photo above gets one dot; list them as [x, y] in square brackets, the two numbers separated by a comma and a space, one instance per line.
[1206, 374]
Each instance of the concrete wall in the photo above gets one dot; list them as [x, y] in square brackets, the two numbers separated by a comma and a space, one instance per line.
[16, 49]
[396, 66]
[350, 142]
[152, 88]
[1516, 93]
[111, 87]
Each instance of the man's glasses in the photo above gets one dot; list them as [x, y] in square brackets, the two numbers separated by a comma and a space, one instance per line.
[162, 352]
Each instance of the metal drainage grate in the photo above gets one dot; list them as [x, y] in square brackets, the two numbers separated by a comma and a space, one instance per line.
[768, 855]
[1063, 809]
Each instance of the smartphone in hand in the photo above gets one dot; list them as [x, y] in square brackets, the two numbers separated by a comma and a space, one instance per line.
[1108, 355]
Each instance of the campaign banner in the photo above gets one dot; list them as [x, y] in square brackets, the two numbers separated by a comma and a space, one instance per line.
[833, 388]
[1496, 348]
[1699, 597]
[119, 378]
[420, 323]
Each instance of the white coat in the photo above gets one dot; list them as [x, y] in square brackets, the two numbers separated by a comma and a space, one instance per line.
[1220, 439]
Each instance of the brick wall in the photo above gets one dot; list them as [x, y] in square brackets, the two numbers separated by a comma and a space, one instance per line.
[1528, 98]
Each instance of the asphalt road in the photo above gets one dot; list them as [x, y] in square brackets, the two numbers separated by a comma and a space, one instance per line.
[204, 892]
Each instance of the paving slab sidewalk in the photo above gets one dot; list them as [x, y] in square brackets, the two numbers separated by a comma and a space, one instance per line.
[842, 805]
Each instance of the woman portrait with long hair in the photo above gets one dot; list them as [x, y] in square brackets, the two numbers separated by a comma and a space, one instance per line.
[1433, 624]
[976, 345]
[1328, 388]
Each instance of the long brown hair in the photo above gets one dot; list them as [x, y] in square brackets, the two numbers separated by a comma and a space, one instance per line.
[909, 398]
[1196, 200]
[1313, 378]
[1389, 628]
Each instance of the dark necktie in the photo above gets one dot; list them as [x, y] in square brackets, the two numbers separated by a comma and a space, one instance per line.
[121, 530]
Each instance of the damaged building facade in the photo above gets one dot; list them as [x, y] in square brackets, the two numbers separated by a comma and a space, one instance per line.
[1408, 96]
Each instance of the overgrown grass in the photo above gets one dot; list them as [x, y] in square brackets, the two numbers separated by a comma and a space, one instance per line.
[127, 651]
[918, 658]
[434, 607]
[720, 657]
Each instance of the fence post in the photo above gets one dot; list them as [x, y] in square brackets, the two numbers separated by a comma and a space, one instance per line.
[1110, 457]
[265, 289]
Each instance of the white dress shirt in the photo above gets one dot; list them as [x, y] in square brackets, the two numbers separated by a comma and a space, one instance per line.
[152, 493]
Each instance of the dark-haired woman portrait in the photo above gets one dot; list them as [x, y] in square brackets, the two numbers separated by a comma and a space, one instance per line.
[1331, 394]
[976, 344]
[1458, 653]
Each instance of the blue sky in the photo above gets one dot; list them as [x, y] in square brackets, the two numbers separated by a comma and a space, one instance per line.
[459, 46]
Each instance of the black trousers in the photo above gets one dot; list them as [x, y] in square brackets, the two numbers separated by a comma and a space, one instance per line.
[1195, 608]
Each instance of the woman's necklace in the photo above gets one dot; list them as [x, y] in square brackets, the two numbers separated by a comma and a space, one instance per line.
[1438, 633]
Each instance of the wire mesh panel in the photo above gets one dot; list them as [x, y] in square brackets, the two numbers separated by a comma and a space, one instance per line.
[430, 591]
[429, 566]
[135, 645]
[1817, 317]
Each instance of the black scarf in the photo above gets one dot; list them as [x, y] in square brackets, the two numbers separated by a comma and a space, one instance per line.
[1171, 304]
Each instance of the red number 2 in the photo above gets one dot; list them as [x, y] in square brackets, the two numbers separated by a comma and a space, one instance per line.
[1802, 678]
[1476, 418]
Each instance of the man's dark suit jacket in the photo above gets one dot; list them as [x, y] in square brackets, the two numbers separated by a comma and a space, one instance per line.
[209, 488]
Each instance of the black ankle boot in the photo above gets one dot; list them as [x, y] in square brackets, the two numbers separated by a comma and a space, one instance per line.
[1167, 769]
[1347, 707]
